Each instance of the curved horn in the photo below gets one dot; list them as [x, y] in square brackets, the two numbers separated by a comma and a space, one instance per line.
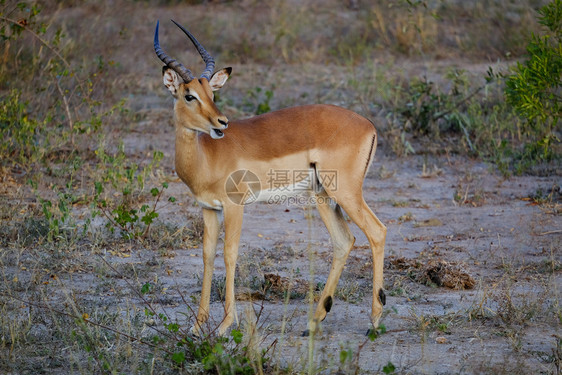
[209, 61]
[172, 63]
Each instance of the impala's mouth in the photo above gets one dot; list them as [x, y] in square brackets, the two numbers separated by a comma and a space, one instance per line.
[216, 133]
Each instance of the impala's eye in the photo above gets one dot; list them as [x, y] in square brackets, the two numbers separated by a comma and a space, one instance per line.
[189, 98]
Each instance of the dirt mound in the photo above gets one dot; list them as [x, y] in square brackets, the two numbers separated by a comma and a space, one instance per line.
[274, 287]
[438, 272]
[279, 285]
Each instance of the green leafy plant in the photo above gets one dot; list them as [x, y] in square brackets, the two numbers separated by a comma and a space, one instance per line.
[389, 368]
[119, 191]
[213, 353]
[20, 132]
[223, 355]
[131, 220]
[534, 88]
[373, 334]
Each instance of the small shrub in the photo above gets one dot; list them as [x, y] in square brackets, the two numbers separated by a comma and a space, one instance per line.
[121, 178]
[428, 110]
[209, 353]
[21, 133]
[534, 88]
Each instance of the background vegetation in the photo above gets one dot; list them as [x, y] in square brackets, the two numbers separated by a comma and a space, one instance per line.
[77, 77]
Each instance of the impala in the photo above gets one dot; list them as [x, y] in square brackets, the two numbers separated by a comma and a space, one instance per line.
[210, 150]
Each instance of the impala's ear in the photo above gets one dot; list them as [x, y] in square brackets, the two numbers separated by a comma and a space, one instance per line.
[219, 78]
[171, 80]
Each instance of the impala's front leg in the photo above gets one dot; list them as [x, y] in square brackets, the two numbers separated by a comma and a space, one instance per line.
[232, 229]
[210, 238]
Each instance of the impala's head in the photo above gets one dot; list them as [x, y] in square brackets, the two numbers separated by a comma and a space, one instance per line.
[194, 106]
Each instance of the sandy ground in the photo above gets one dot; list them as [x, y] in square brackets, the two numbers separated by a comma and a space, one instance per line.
[492, 231]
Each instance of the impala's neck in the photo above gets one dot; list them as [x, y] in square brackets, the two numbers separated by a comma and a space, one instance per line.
[189, 156]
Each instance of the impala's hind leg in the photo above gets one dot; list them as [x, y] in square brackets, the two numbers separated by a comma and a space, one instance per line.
[342, 242]
[356, 208]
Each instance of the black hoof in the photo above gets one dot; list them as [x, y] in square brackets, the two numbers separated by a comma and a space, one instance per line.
[306, 333]
[372, 334]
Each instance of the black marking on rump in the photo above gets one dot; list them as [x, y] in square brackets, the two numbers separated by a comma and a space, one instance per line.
[318, 185]
[328, 303]
[382, 297]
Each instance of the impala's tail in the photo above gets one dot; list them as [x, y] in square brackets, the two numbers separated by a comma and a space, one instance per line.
[371, 156]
